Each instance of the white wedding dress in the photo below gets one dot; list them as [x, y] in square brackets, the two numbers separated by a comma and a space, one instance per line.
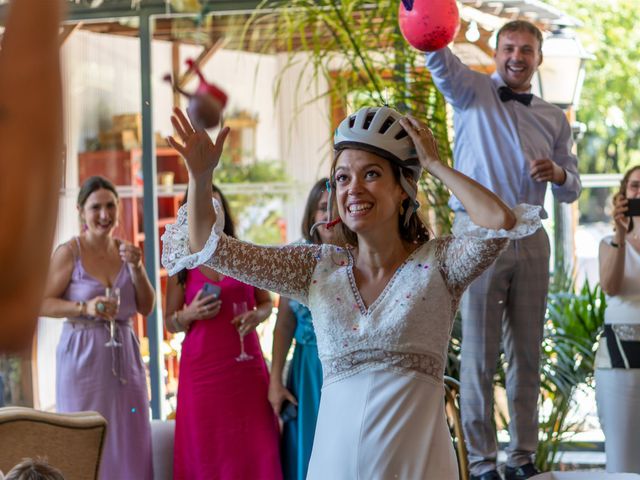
[382, 406]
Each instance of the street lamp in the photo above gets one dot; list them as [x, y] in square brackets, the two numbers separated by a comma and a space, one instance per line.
[560, 79]
[562, 71]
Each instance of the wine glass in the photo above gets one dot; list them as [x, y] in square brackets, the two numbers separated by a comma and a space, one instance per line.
[238, 309]
[114, 296]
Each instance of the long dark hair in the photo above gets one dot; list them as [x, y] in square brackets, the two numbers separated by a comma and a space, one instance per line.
[308, 218]
[415, 231]
[229, 227]
[623, 190]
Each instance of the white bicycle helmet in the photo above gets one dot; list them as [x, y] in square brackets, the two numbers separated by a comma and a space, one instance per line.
[378, 130]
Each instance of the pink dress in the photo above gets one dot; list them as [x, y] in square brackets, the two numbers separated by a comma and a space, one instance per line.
[225, 426]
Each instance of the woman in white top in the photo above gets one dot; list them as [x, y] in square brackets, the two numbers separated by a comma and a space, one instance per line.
[383, 308]
[618, 358]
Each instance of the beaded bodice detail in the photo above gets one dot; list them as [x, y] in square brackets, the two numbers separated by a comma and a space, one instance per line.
[406, 328]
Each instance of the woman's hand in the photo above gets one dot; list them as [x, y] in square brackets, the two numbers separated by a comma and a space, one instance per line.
[102, 307]
[131, 254]
[424, 141]
[620, 207]
[247, 322]
[201, 308]
[200, 154]
[484, 207]
[278, 393]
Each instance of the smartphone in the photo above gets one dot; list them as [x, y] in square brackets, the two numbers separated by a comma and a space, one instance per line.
[210, 289]
[288, 411]
[634, 208]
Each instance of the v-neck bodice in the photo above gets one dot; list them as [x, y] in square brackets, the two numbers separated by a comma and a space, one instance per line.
[364, 309]
[408, 325]
[83, 287]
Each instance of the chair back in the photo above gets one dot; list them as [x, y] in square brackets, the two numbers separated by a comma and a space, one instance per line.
[71, 442]
[452, 407]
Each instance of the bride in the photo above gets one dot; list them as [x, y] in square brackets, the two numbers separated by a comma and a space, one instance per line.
[382, 308]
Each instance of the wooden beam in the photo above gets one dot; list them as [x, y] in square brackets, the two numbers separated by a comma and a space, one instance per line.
[67, 31]
[201, 61]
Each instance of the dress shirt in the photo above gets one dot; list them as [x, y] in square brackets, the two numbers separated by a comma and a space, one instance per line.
[495, 141]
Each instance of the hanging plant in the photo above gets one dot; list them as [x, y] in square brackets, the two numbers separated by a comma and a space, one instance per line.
[357, 48]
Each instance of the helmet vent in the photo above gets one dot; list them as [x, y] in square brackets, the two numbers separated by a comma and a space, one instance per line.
[368, 120]
[352, 121]
[387, 123]
[401, 134]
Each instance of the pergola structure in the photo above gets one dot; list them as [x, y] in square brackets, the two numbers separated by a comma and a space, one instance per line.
[158, 20]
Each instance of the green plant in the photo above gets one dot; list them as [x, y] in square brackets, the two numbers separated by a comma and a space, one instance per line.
[264, 171]
[356, 49]
[573, 325]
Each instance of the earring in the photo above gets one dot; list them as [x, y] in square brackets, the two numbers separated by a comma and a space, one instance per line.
[401, 209]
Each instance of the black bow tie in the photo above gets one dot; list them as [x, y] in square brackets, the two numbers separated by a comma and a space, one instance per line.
[507, 94]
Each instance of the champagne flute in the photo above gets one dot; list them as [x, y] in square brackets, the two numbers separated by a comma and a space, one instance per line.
[238, 309]
[114, 296]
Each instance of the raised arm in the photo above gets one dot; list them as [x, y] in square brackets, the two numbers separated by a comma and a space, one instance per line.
[284, 270]
[454, 79]
[613, 251]
[201, 157]
[484, 207]
[31, 160]
[145, 294]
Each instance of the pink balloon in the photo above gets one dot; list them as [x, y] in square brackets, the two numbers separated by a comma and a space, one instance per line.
[428, 25]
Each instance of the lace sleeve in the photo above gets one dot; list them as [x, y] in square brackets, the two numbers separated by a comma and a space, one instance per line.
[286, 270]
[472, 249]
[462, 259]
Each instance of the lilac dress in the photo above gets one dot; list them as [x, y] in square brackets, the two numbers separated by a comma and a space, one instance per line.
[109, 380]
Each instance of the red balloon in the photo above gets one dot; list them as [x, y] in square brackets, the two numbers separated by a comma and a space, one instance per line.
[428, 25]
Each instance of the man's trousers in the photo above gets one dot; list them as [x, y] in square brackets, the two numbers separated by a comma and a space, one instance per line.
[506, 304]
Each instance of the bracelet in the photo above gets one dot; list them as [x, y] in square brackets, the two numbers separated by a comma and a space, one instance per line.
[613, 244]
[174, 322]
[177, 326]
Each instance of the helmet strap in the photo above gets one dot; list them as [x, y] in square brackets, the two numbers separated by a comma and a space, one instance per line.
[411, 189]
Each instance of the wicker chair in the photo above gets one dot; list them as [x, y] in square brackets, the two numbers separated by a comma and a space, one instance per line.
[71, 442]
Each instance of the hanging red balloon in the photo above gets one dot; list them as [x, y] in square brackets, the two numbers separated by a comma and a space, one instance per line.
[428, 25]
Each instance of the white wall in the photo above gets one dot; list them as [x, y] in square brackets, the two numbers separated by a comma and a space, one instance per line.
[101, 78]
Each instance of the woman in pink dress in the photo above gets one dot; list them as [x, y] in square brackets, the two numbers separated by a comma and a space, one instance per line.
[225, 426]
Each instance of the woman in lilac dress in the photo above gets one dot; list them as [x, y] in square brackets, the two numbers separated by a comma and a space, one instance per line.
[99, 366]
